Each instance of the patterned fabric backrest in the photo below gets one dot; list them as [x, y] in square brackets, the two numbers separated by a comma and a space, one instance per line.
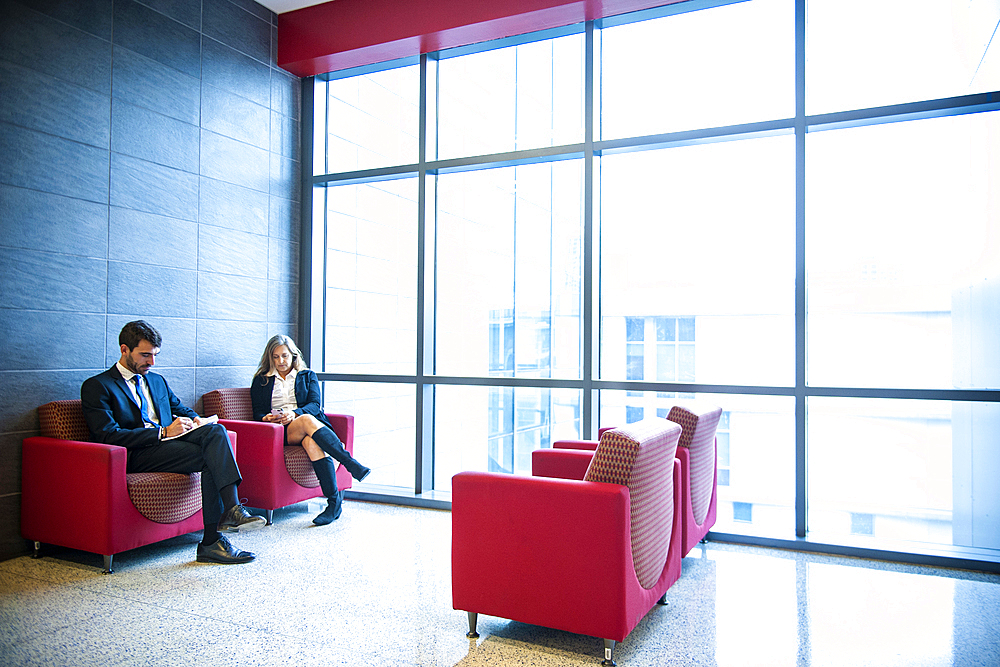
[63, 420]
[641, 456]
[699, 422]
[231, 403]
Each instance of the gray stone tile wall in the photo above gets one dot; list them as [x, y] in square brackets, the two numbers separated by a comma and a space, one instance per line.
[149, 168]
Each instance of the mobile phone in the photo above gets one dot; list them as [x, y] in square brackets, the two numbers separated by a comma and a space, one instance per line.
[278, 411]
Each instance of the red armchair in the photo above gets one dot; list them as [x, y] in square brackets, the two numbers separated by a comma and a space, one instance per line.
[590, 556]
[696, 452]
[699, 468]
[76, 493]
[274, 475]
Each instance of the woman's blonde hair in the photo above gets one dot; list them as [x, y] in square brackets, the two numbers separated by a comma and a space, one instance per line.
[266, 366]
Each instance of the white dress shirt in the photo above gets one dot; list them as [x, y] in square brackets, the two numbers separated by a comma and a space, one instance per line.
[283, 393]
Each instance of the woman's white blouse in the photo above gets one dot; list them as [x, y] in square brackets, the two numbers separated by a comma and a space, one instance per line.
[283, 393]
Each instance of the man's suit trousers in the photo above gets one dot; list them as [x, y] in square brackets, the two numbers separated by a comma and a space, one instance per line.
[205, 450]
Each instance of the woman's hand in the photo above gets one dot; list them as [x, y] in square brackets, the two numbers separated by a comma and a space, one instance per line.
[284, 417]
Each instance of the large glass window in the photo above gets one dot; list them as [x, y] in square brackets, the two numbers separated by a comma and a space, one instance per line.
[384, 427]
[903, 254]
[371, 267]
[698, 69]
[698, 246]
[925, 475]
[372, 121]
[517, 98]
[865, 53]
[813, 249]
[509, 271]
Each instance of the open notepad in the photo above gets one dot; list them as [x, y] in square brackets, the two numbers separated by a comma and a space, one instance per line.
[205, 421]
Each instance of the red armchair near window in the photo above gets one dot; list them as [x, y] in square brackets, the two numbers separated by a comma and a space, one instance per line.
[697, 454]
[699, 468]
[76, 493]
[590, 556]
[274, 475]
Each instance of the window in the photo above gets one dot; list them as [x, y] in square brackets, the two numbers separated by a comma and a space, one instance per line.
[697, 263]
[819, 257]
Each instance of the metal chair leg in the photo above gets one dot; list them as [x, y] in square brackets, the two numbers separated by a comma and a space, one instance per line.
[36, 553]
[609, 653]
[473, 618]
[269, 515]
[107, 564]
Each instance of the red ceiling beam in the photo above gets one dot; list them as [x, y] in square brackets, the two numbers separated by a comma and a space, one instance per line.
[341, 34]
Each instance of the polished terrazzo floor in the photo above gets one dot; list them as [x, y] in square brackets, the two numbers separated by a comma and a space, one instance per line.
[374, 589]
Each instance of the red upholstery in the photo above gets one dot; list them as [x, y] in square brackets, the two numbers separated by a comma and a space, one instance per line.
[77, 494]
[696, 452]
[559, 552]
[274, 475]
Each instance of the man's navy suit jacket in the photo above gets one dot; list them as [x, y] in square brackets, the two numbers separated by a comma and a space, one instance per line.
[113, 415]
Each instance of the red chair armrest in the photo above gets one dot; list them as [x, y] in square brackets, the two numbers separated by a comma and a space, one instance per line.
[70, 488]
[343, 426]
[561, 463]
[575, 444]
[257, 440]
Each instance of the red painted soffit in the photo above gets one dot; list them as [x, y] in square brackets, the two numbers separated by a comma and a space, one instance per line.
[341, 34]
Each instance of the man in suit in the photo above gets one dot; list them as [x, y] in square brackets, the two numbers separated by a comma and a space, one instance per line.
[128, 406]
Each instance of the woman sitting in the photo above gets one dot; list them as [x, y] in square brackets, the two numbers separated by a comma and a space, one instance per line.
[284, 391]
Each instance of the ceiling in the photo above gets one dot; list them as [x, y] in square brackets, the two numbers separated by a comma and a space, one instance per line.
[282, 6]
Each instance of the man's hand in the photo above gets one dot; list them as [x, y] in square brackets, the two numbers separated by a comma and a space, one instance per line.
[178, 426]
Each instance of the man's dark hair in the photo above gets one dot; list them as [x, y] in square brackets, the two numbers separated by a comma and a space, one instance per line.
[134, 333]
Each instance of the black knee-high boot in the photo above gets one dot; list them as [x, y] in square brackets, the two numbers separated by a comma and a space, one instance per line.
[330, 443]
[326, 473]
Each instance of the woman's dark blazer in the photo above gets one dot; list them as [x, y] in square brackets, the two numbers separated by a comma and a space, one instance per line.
[307, 396]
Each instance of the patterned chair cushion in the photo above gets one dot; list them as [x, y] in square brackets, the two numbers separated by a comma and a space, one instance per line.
[698, 422]
[163, 497]
[641, 457]
[300, 467]
[233, 403]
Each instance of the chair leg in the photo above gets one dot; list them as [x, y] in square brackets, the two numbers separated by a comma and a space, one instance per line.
[662, 600]
[36, 553]
[609, 653]
[473, 618]
[269, 514]
[107, 564]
